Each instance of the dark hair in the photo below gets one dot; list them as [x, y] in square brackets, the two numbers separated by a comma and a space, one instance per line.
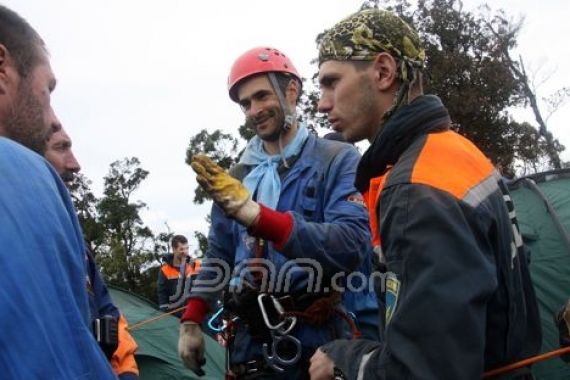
[283, 80]
[178, 239]
[21, 40]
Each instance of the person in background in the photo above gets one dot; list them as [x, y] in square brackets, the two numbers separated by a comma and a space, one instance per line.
[175, 275]
[122, 352]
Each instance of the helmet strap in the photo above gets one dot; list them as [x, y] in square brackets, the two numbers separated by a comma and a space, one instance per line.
[289, 115]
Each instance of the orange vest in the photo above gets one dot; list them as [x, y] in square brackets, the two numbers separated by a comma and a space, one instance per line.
[172, 272]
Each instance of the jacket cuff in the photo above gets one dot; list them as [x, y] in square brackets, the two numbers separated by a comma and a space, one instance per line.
[196, 310]
[274, 226]
[128, 376]
[351, 356]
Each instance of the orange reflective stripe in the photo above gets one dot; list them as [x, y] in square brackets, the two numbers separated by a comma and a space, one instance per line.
[372, 197]
[123, 359]
[193, 268]
[451, 163]
[170, 272]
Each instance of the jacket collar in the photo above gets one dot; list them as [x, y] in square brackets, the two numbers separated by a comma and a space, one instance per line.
[423, 115]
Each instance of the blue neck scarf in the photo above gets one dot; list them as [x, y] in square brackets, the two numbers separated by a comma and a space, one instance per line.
[264, 178]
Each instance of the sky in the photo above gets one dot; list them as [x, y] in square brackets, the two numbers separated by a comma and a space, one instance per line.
[140, 77]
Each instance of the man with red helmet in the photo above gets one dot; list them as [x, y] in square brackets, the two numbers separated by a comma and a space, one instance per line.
[286, 221]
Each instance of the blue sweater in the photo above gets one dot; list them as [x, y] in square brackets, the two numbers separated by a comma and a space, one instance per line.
[44, 331]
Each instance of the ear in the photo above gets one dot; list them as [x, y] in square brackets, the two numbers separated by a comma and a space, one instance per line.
[6, 67]
[385, 71]
[292, 92]
[3, 68]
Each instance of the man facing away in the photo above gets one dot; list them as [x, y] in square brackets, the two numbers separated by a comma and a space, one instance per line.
[459, 298]
[121, 353]
[296, 217]
[44, 314]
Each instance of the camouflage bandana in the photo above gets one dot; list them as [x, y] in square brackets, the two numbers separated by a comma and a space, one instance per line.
[361, 36]
[364, 34]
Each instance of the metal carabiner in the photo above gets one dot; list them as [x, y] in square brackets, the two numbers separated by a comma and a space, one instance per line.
[275, 360]
[292, 321]
[221, 326]
[264, 314]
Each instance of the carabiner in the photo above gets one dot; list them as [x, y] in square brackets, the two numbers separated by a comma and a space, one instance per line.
[220, 327]
[264, 314]
[275, 360]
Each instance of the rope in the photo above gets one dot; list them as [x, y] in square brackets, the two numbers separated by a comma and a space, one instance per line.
[322, 310]
[154, 319]
[526, 362]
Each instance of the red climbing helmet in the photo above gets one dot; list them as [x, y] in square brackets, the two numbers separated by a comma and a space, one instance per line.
[256, 61]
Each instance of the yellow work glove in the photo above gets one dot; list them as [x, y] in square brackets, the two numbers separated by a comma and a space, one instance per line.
[191, 347]
[229, 193]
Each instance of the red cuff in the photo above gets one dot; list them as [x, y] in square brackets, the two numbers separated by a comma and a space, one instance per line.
[196, 310]
[273, 225]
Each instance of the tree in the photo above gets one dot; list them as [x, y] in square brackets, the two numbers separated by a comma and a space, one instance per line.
[128, 241]
[126, 250]
[503, 30]
[86, 206]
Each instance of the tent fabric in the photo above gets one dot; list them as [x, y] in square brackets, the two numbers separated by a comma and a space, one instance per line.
[157, 356]
[550, 254]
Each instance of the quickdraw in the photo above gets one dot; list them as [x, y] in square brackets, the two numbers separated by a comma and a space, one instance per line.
[280, 337]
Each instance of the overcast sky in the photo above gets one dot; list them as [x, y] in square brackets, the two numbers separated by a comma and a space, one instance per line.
[140, 77]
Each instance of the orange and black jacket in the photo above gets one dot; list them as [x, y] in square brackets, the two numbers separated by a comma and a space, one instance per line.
[172, 287]
[459, 298]
[100, 303]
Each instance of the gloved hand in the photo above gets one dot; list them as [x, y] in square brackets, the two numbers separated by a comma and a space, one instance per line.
[191, 347]
[229, 193]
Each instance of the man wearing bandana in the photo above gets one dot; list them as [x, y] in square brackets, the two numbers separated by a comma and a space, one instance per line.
[286, 212]
[458, 295]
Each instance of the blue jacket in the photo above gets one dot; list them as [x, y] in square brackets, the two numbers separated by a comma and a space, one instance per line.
[330, 227]
[100, 304]
[44, 314]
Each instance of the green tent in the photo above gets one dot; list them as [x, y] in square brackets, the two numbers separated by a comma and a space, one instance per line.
[542, 204]
[157, 355]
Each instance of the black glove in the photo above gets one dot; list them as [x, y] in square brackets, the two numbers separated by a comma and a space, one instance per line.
[562, 321]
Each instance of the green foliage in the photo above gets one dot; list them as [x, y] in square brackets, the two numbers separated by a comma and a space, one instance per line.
[86, 206]
[126, 250]
[202, 243]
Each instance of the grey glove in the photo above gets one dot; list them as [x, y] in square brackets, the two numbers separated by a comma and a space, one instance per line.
[191, 347]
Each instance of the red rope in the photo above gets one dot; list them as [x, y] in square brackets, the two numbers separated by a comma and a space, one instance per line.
[526, 362]
[322, 310]
[154, 319]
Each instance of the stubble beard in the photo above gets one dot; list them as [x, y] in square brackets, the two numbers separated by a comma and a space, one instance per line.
[25, 124]
[364, 106]
[278, 118]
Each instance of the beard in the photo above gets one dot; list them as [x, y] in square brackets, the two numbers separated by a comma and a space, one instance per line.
[25, 123]
[67, 176]
[278, 120]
